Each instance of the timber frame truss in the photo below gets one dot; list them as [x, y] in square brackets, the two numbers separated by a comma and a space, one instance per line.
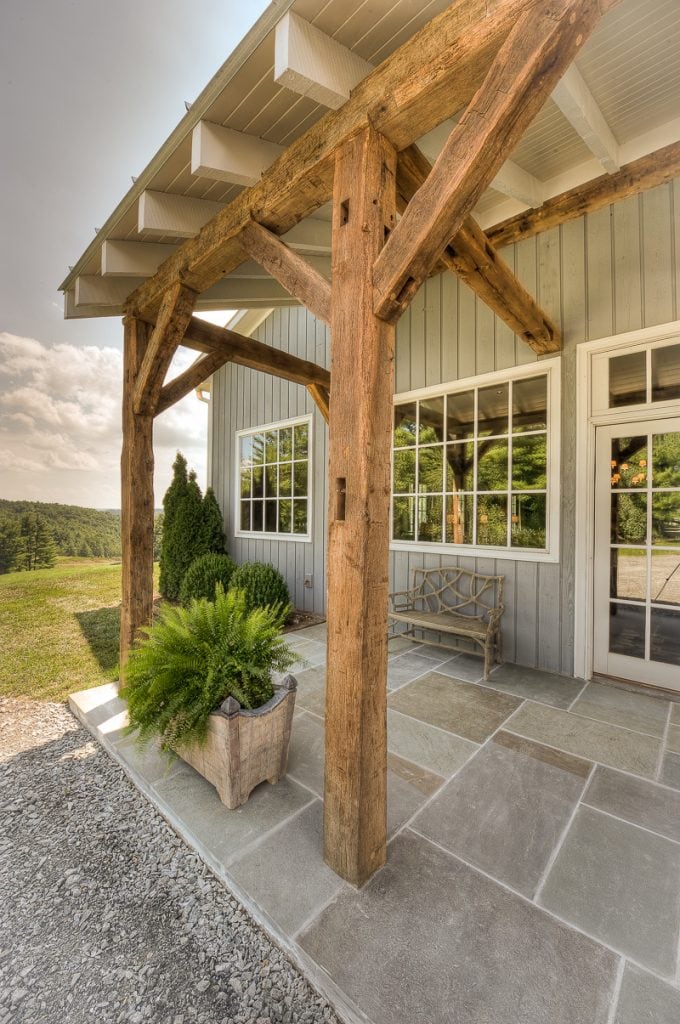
[396, 220]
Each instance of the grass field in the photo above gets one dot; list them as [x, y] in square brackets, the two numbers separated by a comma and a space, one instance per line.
[59, 628]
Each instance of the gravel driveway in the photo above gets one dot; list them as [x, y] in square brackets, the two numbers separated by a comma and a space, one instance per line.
[105, 915]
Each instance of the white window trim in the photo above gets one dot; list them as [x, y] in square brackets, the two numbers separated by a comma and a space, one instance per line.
[283, 538]
[552, 368]
[587, 422]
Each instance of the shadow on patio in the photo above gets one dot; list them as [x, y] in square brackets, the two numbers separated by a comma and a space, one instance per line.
[533, 867]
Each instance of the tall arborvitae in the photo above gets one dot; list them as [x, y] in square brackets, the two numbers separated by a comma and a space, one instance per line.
[213, 524]
[192, 526]
[170, 579]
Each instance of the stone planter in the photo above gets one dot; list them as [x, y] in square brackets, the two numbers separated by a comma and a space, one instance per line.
[243, 748]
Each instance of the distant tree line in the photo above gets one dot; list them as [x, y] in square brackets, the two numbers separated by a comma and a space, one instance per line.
[26, 543]
[75, 531]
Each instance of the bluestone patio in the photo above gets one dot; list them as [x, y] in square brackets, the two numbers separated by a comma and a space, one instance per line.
[533, 869]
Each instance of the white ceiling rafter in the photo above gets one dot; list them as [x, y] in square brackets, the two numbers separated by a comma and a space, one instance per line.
[309, 62]
[642, 145]
[227, 155]
[166, 214]
[577, 104]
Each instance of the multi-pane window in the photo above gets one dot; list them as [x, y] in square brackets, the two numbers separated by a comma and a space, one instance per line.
[274, 479]
[646, 376]
[470, 467]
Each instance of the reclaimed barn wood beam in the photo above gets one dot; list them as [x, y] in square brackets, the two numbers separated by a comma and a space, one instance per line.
[292, 271]
[137, 503]
[649, 171]
[184, 383]
[429, 78]
[205, 337]
[360, 438]
[472, 258]
[173, 319]
[540, 46]
[321, 399]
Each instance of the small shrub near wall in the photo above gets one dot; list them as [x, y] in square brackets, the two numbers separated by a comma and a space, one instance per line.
[261, 585]
[203, 575]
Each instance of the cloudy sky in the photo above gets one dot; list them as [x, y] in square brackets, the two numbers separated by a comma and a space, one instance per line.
[89, 90]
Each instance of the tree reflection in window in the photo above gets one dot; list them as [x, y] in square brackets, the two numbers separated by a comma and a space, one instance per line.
[470, 467]
[274, 480]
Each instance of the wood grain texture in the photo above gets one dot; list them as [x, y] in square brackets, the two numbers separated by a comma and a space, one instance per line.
[257, 355]
[292, 271]
[539, 47]
[173, 319]
[427, 79]
[638, 176]
[474, 259]
[137, 501]
[184, 383]
[362, 368]
[321, 399]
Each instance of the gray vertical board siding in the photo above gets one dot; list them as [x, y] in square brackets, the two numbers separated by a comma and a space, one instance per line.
[611, 271]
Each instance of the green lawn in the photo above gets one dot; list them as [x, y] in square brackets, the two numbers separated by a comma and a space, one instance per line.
[59, 628]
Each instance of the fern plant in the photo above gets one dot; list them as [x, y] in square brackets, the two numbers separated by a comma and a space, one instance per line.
[193, 658]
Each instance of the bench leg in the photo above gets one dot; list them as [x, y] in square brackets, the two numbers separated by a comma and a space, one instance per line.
[490, 648]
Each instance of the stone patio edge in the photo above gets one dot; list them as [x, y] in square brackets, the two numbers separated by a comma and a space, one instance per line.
[314, 974]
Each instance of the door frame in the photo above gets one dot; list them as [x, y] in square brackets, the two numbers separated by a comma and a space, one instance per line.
[588, 420]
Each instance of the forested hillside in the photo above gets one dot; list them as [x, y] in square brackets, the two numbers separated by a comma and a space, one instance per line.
[85, 532]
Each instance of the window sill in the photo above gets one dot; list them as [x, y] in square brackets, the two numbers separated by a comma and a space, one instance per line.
[296, 538]
[460, 551]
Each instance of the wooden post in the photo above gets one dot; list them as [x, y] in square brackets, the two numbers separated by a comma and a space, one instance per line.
[137, 505]
[362, 371]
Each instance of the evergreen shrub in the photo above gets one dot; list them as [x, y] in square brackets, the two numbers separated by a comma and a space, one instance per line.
[203, 575]
[193, 658]
[192, 526]
[262, 586]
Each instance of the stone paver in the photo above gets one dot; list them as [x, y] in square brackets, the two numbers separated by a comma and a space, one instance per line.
[646, 1000]
[618, 706]
[559, 691]
[470, 711]
[635, 800]
[597, 741]
[507, 808]
[430, 941]
[620, 884]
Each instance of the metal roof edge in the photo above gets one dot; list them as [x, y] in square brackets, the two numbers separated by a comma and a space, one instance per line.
[252, 39]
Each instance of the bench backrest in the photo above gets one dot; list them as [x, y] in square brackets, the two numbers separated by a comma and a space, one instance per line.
[452, 588]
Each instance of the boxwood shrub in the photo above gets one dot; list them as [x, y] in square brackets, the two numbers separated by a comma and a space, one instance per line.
[261, 584]
[203, 575]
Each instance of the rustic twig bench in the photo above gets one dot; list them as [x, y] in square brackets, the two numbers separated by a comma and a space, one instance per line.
[456, 602]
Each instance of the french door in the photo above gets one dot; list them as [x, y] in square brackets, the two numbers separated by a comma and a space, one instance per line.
[637, 552]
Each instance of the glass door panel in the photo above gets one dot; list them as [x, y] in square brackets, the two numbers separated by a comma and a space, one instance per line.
[637, 552]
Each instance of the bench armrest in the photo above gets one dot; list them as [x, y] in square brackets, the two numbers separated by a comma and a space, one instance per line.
[403, 600]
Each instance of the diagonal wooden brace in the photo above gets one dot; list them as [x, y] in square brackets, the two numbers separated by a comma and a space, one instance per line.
[474, 259]
[292, 271]
[541, 45]
[173, 319]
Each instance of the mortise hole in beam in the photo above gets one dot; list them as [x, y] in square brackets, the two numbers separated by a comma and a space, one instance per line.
[340, 496]
[344, 213]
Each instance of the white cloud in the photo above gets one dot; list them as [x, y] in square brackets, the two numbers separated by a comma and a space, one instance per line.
[60, 434]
